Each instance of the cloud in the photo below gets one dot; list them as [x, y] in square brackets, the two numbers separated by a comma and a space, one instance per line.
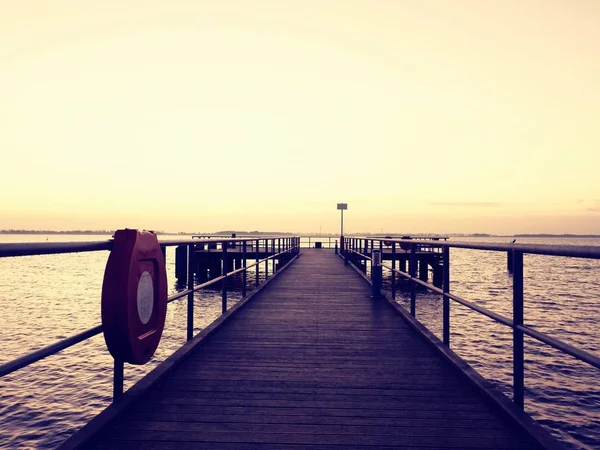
[469, 204]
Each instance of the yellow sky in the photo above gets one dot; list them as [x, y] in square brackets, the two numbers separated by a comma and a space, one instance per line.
[431, 116]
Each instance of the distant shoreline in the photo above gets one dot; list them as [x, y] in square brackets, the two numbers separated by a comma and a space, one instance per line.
[221, 233]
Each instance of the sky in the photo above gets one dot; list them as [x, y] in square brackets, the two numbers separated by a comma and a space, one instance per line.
[429, 116]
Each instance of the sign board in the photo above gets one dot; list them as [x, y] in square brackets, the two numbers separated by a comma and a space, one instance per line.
[342, 206]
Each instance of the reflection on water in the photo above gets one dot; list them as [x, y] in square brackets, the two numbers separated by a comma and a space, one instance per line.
[47, 298]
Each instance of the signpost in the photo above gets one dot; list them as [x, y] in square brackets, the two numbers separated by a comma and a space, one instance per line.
[342, 207]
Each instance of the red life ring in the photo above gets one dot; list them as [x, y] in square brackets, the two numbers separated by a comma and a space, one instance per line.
[134, 296]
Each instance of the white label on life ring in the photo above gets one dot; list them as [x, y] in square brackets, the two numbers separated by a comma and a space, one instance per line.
[145, 297]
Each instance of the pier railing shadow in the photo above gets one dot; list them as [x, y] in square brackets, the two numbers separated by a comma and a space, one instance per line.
[281, 248]
[359, 250]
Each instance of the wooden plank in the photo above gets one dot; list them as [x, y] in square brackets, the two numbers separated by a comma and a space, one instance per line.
[314, 362]
[317, 438]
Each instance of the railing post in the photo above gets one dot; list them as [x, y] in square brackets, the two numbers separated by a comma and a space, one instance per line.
[278, 251]
[376, 273]
[336, 247]
[446, 306]
[118, 376]
[266, 259]
[244, 273]
[257, 270]
[346, 256]
[224, 282]
[393, 270]
[190, 296]
[413, 284]
[518, 350]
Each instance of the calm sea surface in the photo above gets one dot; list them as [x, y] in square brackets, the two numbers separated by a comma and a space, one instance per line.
[47, 298]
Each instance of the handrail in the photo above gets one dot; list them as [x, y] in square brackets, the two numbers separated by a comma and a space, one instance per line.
[576, 251]
[291, 246]
[519, 328]
[51, 248]
[54, 248]
[44, 352]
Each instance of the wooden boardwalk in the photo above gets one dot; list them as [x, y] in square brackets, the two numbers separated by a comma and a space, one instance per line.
[314, 362]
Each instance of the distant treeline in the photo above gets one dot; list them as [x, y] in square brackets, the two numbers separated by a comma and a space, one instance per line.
[56, 232]
[275, 233]
[543, 235]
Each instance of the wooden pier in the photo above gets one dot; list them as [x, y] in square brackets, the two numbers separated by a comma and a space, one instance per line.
[311, 361]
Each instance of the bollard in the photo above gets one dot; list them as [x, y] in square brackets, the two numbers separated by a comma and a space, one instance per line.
[376, 272]
[336, 247]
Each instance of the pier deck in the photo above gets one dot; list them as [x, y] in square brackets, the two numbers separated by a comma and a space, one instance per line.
[314, 362]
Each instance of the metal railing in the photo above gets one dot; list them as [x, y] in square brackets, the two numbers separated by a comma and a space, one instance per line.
[283, 248]
[355, 246]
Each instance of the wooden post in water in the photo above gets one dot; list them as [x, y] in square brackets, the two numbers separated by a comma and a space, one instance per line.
[201, 268]
[216, 269]
[181, 265]
[438, 275]
[423, 269]
[509, 261]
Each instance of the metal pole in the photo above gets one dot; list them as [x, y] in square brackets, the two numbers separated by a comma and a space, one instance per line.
[413, 285]
[244, 273]
[518, 350]
[376, 273]
[190, 296]
[393, 270]
[118, 376]
[342, 243]
[257, 266]
[266, 259]
[446, 285]
[224, 282]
